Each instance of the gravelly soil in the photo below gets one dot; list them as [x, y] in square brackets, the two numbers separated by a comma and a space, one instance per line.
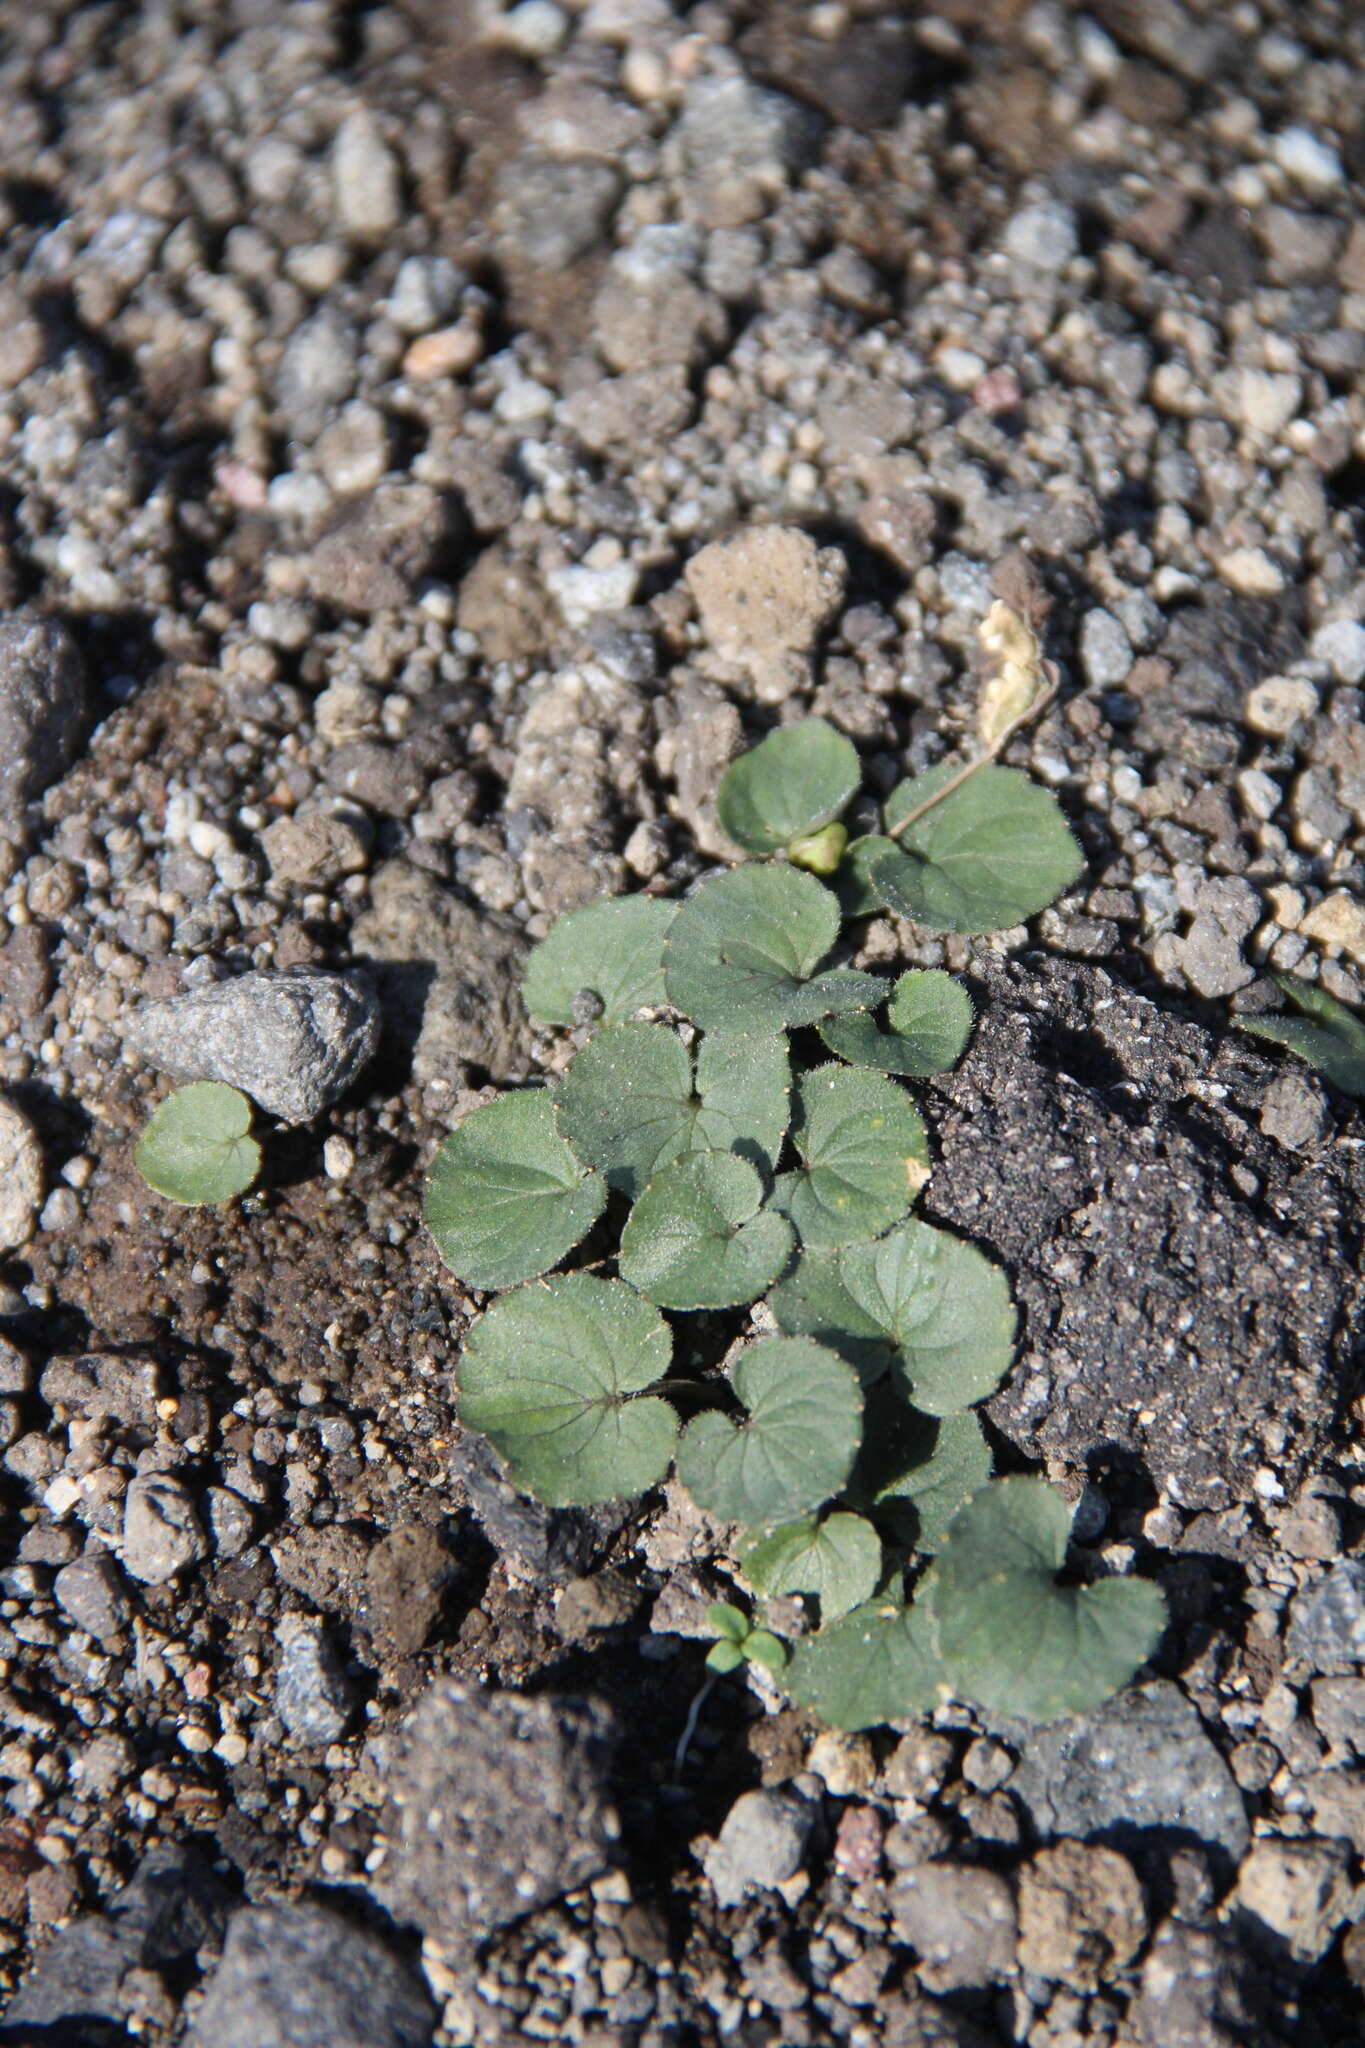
[369, 381]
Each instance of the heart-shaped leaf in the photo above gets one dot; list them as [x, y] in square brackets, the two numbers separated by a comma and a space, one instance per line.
[553, 1376]
[944, 1306]
[930, 1014]
[626, 1103]
[197, 1147]
[506, 1198]
[864, 1157]
[917, 1469]
[993, 852]
[1328, 1035]
[611, 951]
[699, 1236]
[795, 1449]
[873, 1665]
[839, 1560]
[742, 953]
[1012, 1637]
[812, 1301]
[790, 785]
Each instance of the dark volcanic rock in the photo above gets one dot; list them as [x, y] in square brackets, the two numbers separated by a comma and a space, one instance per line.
[44, 711]
[302, 1977]
[1189, 1293]
[498, 1804]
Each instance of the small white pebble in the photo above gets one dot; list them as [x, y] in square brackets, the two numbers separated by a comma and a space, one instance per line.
[338, 1157]
[1307, 159]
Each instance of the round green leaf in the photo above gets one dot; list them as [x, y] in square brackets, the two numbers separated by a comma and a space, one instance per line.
[994, 852]
[699, 1236]
[839, 1560]
[873, 1665]
[944, 1306]
[765, 1649]
[812, 1301]
[553, 1376]
[797, 1446]
[930, 1014]
[1012, 1637]
[505, 1198]
[790, 785]
[918, 1468]
[197, 1146]
[864, 1157]
[613, 949]
[743, 949]
[727, 1621]
[723, 1657]
[627, 1105]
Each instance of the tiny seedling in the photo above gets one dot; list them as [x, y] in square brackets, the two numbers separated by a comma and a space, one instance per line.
[740, 1642]
[197, 1148]
[736, 1120]
[1327, 1035]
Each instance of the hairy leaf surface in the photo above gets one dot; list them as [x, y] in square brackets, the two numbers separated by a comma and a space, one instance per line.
[553, 1374]
[864, 1157]
[839, 1560]
[930, 1014]
[790, 785]
[795, 1449]
[1012, 1636]
[613, 949]
[506, 1199]
[197, 1147]
[1327, 1035]
[699, 1236]
[995, 851]
[743, 950]
[944, 1306]
[876, 1664]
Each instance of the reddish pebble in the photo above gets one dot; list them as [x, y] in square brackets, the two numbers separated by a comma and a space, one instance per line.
[858, 1843]
[997, 391]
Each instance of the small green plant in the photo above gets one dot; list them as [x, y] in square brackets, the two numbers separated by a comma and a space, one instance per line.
[198, 1148]
[740, 1642]
[1327, 1035]
[702, 1127]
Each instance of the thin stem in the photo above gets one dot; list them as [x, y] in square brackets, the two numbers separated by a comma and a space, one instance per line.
[987, 754]
[690, 1725]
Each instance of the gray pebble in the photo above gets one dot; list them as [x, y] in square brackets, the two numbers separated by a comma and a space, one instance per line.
[1042, 237]
[44, 711]
[317, 373]
[1294, 1110]
[298, 1976]
[1106, 651]
[312, 1695]
[92, 1593]
[760, 1846]
[1327, 1620]
[292, 1039]
[230, 1522]
[1342, 646]
[369, 188]
[21, 1176]
[553, 212]
[1140, 1761]
[161, 1530]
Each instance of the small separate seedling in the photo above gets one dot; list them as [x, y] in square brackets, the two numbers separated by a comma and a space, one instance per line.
[740, 1642]
[197, 1148]
[1327, 1035]
[844, 1449]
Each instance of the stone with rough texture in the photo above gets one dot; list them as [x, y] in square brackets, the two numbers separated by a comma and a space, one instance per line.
[376, 550]
[1141, 1761]
[313, 1697]
[497, 1805]
[44, 712]
[449, 977]
[1301, 1890]
[172, 1907]
[1082, 1916]
[301, 1976]
[293, 1039]
[91, 1593]
[764, 592]
[960, 1922]
[21, 1177]
[1327, 1621]
[406, 1576]
[162, 1534]
[759, 1847]
[1163, 1311]
[1197, 1992]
